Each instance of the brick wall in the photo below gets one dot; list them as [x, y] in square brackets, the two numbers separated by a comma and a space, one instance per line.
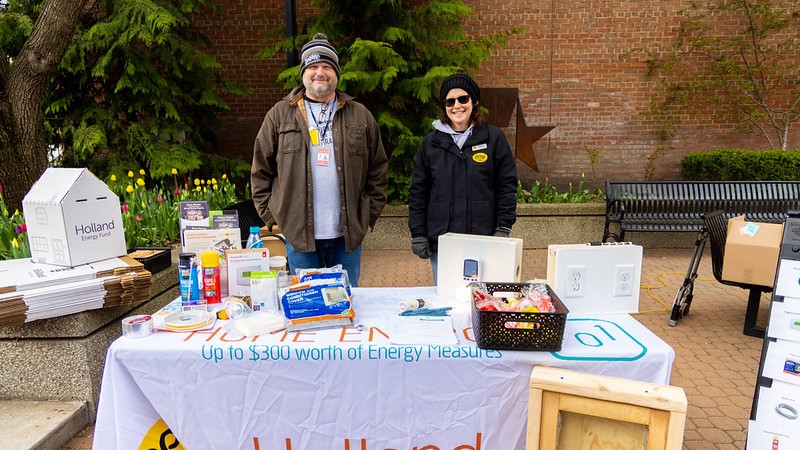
[571, 66]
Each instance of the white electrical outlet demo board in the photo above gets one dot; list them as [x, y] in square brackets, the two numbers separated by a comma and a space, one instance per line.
[595, 279]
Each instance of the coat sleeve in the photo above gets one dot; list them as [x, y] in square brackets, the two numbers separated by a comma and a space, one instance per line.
[262, 172]
[377, 182]
[419, 194]
[505, 183]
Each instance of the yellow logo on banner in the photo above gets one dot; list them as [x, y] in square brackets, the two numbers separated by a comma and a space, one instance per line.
[480, 157]
[160, 437]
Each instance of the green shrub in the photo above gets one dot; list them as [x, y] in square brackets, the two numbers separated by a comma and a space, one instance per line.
[742, 165]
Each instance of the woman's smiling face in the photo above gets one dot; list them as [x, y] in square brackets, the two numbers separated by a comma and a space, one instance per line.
[459, 114]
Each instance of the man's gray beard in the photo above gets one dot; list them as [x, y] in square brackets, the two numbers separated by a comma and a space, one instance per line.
[322, 92]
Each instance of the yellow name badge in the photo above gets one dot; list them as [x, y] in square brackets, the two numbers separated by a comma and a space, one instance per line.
[480, 157]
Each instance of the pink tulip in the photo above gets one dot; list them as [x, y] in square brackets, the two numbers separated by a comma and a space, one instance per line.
[138, 218]
[177, 191]
[124, 207]
[160, 199]
[24, 228]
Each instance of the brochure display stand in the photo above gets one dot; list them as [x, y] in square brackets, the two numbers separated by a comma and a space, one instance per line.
[774, 422]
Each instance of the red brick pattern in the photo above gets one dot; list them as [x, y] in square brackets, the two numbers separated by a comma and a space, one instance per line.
[571, 66]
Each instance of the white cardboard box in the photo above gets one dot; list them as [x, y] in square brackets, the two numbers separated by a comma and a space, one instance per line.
[73, 218]
[240, 264]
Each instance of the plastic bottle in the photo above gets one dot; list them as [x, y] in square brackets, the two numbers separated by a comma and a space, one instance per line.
[254, 240]
[211, 277]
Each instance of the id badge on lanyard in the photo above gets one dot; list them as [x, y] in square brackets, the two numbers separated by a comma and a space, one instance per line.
[323, 157]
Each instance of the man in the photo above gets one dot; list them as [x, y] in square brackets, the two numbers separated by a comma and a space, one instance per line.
[319, 167]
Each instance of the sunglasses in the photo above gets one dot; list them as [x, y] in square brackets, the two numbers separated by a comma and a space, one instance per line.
[450, 102]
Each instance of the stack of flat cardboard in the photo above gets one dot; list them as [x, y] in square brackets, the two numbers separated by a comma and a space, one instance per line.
[33, 291]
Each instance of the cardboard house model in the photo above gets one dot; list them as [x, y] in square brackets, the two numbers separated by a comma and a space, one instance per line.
[73, 218]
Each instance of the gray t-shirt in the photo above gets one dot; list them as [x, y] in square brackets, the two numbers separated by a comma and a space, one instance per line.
[325, 179]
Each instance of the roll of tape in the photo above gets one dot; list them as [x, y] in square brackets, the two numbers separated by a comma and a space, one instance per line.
[137, 326]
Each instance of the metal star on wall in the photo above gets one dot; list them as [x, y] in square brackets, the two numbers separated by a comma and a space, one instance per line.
[500, 102]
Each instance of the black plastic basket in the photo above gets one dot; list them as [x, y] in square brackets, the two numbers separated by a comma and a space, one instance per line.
[158, 258]
[545, 332]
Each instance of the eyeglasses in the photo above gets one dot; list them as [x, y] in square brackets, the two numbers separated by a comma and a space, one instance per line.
[450, 102]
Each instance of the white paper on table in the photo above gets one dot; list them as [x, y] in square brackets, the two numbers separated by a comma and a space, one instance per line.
[422, 330]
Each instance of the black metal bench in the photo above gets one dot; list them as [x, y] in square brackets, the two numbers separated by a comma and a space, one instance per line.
[679, 205]
[685, 206]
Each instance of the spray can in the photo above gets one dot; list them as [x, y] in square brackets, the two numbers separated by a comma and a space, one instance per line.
[185, 275]
[212, 283]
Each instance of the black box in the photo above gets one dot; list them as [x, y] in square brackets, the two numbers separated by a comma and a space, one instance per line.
[154, 259]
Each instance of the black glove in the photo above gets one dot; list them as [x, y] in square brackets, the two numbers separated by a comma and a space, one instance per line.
[502, 232]
[421, 247]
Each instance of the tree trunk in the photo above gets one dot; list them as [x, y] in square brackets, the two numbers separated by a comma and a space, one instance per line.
[23, 155]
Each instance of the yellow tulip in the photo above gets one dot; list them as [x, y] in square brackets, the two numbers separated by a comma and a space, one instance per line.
[198, 188]
[129, 189]
[174, 171]
[113, 178]
[140, 182]
[196, 182]
[130, 174]
[141, 171]
[213, 181]
[15, 243]
[224, 176]
[215, 187]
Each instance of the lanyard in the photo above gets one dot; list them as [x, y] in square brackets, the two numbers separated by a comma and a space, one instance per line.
[322, 112]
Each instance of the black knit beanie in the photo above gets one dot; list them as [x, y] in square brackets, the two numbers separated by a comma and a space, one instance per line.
[317, 50]
[462, 81]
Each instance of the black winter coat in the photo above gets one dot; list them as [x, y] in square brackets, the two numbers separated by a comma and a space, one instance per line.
[469, 191]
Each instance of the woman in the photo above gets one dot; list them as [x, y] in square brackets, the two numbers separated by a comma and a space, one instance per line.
[465, 177]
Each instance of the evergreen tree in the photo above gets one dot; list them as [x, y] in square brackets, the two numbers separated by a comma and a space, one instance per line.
[134, 88]
[393, 55]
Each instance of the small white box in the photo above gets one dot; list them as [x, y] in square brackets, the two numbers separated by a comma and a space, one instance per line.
[240, 263]
[73, 218]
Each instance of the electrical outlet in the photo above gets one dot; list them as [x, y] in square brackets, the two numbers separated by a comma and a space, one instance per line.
[623, 280]
[576, 281]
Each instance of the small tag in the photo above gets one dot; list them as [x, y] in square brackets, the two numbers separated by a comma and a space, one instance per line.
[749, 229]
[475, 148]
[313, 133]
[323, 157]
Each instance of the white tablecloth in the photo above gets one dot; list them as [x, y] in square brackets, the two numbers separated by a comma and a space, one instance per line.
[344, 389]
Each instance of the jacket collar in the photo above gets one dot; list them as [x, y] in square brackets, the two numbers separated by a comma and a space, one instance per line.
[479, 134]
